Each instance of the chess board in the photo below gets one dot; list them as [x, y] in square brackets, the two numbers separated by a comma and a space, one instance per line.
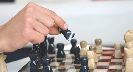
[106, 63]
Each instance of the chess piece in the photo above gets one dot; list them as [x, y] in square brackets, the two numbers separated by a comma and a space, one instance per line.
[129, 57]
[98, 43]
[83, 45]
[46, 64]
[33, 65]
[92, 48]
[117, 53]
[3, 66]
[129, 46]
[84, 64]
[67, 34]
[51, 48]
[77, 56]
[73, 43]
[128, 36]
[43, 47]
[91, 59]
[36, 50]
[60, 53]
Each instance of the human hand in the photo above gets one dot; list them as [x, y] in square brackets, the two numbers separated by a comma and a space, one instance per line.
[31, 24]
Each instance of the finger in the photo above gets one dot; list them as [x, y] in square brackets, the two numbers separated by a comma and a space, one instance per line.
[53, 31]
[36, 37]
[39, 27]
[57, 19]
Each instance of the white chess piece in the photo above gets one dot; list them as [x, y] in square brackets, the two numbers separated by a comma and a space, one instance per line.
[92, 48]
[91, 61]
[83, 45]
[129, 57]
[3, 67]
[98, 43]
[117, 53]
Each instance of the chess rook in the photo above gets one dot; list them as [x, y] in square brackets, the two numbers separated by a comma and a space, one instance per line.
[117, 53]
[83, 45]
[60, 52]
[51, 48]
[73, 43]
[84, 64]
[98, 43]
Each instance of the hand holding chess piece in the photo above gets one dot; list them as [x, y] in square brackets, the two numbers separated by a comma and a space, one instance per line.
[31, 24]
[3, 67]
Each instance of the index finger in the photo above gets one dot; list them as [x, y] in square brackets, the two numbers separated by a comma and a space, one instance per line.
[57, 19]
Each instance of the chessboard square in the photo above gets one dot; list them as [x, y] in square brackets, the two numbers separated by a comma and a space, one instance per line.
[68, 60]
[105, 57]
[51, 55]
[116, 60]
[66, 63]
[103, 64]
[115, 67]
[115, 63]
[73, 70]
[54, 63]
[108, 52]
[75, 67]
[114, 70]
[63, 67]
[104, 60]
[100, 70]
[102, 67]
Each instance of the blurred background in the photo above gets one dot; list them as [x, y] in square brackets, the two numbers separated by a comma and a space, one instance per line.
[88, 19]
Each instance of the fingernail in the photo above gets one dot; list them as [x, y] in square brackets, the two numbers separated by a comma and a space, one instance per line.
[65, 26]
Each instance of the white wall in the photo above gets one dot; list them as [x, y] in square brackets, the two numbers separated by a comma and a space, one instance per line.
[89, 20]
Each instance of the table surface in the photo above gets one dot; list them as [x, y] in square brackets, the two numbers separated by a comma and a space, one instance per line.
[15, 66]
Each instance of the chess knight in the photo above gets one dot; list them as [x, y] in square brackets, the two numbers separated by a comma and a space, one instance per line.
[3, 67]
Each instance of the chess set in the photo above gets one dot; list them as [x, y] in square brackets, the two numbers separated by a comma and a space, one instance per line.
[47, 57]
[78, 58]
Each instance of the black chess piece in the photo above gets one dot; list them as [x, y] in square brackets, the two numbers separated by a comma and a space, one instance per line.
[73, 43]
[46, 64]
[51, 48]
[60, 53]
[84, 64]
[67, 33]
[43, 47]
[77, 55]
[33, 65]
[37, 51]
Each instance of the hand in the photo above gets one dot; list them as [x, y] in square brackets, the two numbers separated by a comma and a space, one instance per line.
[30, 24]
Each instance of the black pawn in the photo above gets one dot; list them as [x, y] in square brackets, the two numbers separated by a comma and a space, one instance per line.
[33, 65]
[36, 49]
[73, 43]
[77, 55]
[46, 64]
[51, 48]
[84, 64]
[60, 53]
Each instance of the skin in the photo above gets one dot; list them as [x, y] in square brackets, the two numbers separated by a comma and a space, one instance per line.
[31, 24]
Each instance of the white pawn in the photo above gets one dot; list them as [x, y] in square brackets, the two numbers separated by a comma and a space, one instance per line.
[129, 57]
[3, 66]
[92, 48]
[83, 45]
[91, 61]
[117, 53]
[98, 43]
